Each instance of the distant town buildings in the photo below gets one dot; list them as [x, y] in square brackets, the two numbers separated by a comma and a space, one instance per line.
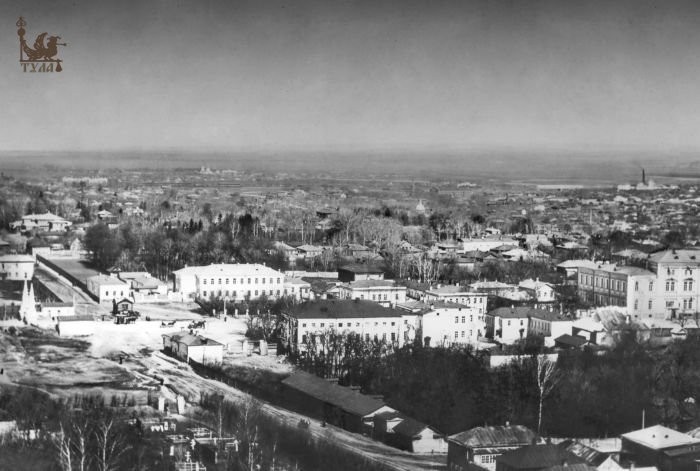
[41, 222]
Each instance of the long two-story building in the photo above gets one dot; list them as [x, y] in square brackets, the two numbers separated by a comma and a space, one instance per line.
[236, 282]
[365, 318]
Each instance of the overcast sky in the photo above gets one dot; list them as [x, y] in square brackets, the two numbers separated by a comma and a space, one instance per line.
[354, 75]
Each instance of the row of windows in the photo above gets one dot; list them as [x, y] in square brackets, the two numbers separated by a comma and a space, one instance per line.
[375, 297]
[305, 338]
[348, 324]
[471, 319]
[234, 294]
[687, 284]
[233, 280]
[457, 334]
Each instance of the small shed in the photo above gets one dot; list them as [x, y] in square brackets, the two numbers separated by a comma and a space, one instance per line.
[418, 437]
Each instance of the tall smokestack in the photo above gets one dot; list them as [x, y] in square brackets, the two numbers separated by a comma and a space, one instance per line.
[644, 177]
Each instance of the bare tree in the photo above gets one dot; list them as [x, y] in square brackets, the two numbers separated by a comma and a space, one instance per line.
[63, 444]
[110, 446]
[546, 381]
[80, 445]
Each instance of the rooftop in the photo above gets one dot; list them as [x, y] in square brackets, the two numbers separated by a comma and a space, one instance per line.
[410, 427]
[342, 309]
[659, 437]
[16, 259]
[106, 280]
[192, 340]
[360, 284]
[230, 269]
[508, 435]
[522, 312]
[539, 456]
[676, 256]
[338, 396]
[358, 268]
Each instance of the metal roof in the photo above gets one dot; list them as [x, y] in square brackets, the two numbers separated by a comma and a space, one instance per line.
[659, 437]
[343, 309]
[494, 436]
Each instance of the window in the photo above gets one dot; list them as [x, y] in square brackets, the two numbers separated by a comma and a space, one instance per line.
[393, 337]
[248, 280]
[509, 323]
[212, 281]
[303, 338]
[462, 334]
[651, 286]
[234, 294]
[688, 284]
[636, 304]
[456, 319]
[636, 285]
[204, 293]
[670, 285]
[263, 280]
[204, 281]
[226, 280]
[271, 281]
[256, 281]
[650, 304]
[323, 324]
[393, 324]
[464, 319]
[219, 280]
[233, 281]
[456, 335]
[278, 281]
[256, 292]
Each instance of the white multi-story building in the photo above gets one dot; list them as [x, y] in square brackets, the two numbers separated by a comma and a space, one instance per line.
[669, 289]
[452, 294]
[16, 267]
[446, 324]
[676, 290]
[538, 290]
[549, 324]
[508, 324]
[385, 292]
[235, 282]
[365, 318]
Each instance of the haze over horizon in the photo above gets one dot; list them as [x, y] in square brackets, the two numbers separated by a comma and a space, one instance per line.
[357, 76]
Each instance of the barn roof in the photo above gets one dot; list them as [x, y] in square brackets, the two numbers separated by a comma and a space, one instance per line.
[339, 396]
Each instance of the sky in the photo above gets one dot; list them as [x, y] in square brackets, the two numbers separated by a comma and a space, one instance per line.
[344, 75]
